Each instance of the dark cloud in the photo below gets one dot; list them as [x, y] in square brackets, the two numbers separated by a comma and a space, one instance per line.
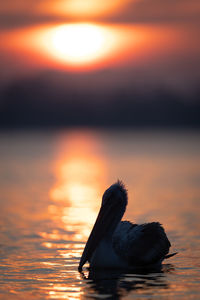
[141, 11]
[13, 21]
[152, 11]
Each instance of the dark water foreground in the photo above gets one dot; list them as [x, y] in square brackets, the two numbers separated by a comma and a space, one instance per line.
[50, 191]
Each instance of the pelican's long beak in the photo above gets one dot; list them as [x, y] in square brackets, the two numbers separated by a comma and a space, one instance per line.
[104, 223]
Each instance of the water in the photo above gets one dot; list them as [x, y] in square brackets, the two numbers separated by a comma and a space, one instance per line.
[51, 185]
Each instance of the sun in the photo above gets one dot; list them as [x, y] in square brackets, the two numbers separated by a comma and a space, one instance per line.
[78, 43]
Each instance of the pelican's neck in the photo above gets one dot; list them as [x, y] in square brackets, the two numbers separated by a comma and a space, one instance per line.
[114, 225]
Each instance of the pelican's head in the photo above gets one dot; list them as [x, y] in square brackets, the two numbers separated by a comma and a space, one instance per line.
[113, 206]
[116, 194]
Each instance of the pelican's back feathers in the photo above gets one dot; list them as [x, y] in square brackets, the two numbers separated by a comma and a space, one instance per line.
[140, 245]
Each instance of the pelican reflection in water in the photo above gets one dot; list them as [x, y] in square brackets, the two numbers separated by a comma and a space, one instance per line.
[118, 282]
[120, 244]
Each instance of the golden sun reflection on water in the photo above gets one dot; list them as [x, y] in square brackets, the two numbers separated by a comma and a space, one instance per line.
[65, 292]
[74, 200]
[80, 181]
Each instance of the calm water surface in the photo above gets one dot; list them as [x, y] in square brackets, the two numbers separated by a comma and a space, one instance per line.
[51, 185]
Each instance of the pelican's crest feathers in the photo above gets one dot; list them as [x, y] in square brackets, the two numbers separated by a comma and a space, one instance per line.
[117, 186]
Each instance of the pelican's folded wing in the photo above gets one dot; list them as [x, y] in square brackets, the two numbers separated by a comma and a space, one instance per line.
[141, 245]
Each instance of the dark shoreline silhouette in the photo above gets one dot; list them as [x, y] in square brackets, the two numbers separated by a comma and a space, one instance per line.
[36, 102]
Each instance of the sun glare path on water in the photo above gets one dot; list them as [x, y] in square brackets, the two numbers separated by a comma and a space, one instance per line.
[80, 172]
[78, 43]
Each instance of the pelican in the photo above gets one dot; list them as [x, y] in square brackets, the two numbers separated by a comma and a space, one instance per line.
[121, 244]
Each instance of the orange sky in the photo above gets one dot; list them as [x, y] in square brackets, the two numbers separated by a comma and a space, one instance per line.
[158, 37]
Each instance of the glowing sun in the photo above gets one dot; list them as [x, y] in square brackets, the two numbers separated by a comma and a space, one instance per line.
[78, 43]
